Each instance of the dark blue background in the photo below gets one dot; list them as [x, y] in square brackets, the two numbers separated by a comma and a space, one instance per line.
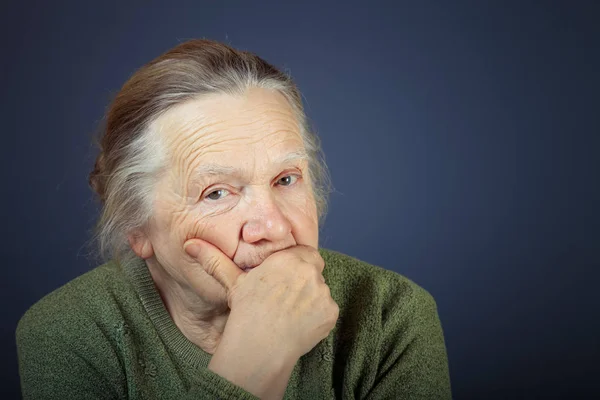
[462, 138]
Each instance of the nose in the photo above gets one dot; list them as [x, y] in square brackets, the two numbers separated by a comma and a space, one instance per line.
[266, 222]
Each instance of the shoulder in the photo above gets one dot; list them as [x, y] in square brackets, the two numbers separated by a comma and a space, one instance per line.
[354, 282]
[90, 300]
[388, 334]
[67, 342]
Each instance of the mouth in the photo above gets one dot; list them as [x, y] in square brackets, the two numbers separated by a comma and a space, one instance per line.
[247, 268]
[250, 262]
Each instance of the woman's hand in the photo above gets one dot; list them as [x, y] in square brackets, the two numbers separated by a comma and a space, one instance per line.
[280, 310]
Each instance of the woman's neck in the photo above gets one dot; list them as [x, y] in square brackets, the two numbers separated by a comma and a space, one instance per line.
[200, 322]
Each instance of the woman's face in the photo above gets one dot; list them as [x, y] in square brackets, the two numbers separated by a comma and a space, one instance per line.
[237, 178]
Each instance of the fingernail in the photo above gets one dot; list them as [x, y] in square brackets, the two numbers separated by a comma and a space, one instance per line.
[192, 249]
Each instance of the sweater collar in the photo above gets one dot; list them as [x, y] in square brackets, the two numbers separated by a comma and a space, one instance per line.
[139, 275]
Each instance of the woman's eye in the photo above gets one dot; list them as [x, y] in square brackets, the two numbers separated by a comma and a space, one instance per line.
[288, 180]
[217, 194]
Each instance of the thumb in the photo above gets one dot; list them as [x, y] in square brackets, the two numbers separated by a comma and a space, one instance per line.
[214, 262]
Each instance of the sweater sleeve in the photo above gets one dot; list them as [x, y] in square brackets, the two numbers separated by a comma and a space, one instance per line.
[54, 365]
[413, 362]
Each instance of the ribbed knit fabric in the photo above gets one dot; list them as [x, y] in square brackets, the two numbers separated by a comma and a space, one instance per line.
[108, 335]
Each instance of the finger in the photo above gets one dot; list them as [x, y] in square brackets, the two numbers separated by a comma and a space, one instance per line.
[309, 255]
[214, 262]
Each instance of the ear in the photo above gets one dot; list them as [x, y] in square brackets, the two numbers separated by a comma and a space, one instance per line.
[140, 244]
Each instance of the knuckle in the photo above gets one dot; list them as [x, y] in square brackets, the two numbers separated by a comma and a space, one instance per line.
[335, 311]
[319, 260]
[211, 264]
[315, 274]
[313, 254]
[283, 256]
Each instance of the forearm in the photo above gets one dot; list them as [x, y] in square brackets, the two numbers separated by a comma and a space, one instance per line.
[264, 377]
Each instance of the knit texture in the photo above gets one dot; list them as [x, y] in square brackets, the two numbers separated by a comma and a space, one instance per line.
[108, 335]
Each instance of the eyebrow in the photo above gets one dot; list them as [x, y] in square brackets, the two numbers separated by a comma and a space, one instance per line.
[212, 169]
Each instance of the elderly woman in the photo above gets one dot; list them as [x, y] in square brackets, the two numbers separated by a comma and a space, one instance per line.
[212, 187]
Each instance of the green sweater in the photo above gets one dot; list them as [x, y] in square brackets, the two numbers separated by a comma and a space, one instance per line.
[108, 335]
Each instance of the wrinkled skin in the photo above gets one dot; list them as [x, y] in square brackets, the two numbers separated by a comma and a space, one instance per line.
[260, 204]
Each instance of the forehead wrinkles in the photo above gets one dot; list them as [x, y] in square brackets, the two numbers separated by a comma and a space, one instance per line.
[193, 131]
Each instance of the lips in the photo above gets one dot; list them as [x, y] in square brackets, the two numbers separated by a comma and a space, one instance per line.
[247, 268]
[251, 261]
[249, 264]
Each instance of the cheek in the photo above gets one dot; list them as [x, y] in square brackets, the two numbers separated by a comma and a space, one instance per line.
[302, 214]
[164, 223]
[306, 205]
[223, 231]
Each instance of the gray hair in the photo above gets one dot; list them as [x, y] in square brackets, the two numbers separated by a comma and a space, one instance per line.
[130, 158]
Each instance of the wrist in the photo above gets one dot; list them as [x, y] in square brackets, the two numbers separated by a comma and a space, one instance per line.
[265, 375]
